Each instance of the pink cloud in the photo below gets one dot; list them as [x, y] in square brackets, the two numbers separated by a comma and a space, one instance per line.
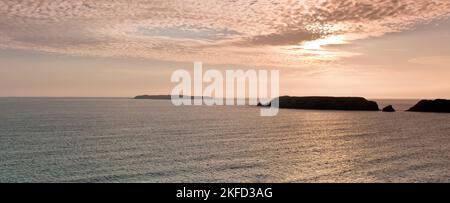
[256, 32]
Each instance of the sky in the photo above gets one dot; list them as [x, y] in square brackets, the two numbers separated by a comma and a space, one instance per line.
[375, 49]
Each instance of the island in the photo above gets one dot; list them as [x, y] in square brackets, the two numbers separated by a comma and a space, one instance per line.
[438, 105]
[158, 97]
[167, 97]
[327, 103]
[389, 108]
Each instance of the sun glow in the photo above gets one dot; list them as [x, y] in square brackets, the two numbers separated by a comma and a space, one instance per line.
[320, 43]
[317, 50]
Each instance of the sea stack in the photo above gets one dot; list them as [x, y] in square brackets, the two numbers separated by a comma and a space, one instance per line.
[388, 109]
[328, 103]
[438, 105]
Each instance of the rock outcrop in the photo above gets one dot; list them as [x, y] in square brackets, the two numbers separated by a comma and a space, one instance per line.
[167, 97]
[389, 108]
[159, 97]
[438, 105]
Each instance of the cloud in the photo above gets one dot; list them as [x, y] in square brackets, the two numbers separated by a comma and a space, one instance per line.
[255, 32]
[431, 60]
[288, 37]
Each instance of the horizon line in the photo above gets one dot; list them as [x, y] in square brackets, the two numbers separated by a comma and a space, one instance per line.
[132, 97]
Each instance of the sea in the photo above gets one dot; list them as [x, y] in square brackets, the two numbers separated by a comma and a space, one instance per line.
[127, 140]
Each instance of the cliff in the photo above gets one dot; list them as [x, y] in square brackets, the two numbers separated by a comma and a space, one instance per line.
[166, 97]
[438, 105]
[328, 103]
[159, 97]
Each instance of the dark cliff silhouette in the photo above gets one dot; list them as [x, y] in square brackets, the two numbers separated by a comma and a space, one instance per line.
[389, 108]
[328, 103]
[438, 105]
[166, 97]
[161, 97]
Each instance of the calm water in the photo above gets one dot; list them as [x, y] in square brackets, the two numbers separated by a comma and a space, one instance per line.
[125, 140]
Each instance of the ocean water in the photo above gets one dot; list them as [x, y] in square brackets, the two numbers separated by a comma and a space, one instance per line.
[126, 140]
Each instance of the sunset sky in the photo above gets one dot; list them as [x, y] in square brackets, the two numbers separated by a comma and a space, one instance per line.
[375, 49]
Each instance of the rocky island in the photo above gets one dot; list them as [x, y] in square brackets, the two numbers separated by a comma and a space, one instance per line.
[438, 105]
[389, 108]
[328, 103]
[166, 97]
[158, 97]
